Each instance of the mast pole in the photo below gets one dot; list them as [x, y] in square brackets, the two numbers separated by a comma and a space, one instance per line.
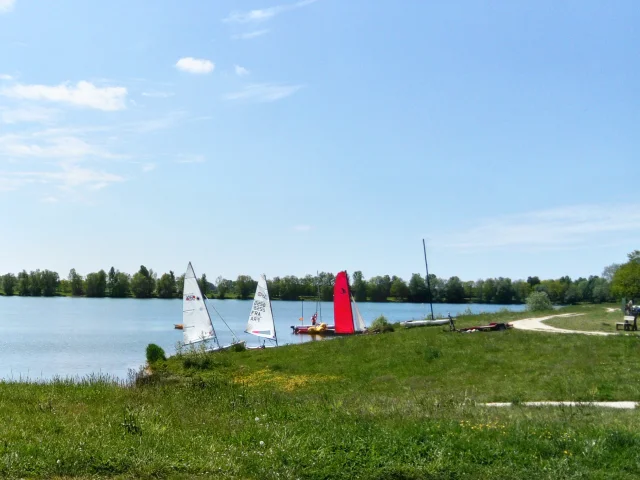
[424, 248]
[273, 319]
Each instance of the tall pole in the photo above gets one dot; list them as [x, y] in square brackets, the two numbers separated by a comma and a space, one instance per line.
[424, 247]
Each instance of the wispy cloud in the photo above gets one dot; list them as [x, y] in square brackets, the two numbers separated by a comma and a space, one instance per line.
[555, 228]
[57, 147]
[28, 114]
[250, 35]
[263, 92]
[148, 167]
[6, 5]
[240, 71]
[157, 94]
[50, 199]
[191, 159]
[303, 228]
[67, 177]
[5, 76]
[264, 14]
[195, 65]
[83, 94]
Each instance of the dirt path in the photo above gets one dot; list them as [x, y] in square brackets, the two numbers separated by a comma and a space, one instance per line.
[535, 324]
[622, 405]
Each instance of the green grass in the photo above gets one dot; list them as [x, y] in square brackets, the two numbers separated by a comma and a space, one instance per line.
[592, 318]
[401, 405]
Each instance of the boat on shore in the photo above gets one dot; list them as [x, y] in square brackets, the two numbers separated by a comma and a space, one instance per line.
[424, 323]
[345, 322]
[261, 323]
[196, 322]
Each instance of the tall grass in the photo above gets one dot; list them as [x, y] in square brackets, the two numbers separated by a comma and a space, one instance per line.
[403, 405]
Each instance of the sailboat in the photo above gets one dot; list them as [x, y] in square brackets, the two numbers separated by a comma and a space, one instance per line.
[260, 321]
[196, 321]
[343, 309]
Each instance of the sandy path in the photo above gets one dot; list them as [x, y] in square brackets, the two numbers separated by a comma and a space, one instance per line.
[609, 309]
[621, 405]
[535, 324]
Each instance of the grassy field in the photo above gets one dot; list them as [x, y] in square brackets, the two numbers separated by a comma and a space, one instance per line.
[591, 319]
[402, 405]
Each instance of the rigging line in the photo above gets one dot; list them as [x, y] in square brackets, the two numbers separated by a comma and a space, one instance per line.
[214, 309]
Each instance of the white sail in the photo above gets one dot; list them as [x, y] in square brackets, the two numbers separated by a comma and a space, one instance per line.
[260, 321]
[358, 321]
[196, 321]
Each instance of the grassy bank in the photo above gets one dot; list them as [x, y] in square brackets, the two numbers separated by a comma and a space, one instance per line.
[400, 405]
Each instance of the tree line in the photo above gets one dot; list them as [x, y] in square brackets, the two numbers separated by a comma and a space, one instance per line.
[615, 282]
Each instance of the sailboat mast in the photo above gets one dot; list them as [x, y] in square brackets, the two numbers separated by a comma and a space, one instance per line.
[215, 335]
[275, 334]
[424, 247]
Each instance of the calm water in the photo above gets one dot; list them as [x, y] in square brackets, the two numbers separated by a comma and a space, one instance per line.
[44, 337]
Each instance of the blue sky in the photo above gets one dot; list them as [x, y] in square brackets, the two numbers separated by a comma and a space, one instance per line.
[283, 138]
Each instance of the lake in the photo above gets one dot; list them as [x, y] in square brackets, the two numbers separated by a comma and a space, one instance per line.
[41, 338]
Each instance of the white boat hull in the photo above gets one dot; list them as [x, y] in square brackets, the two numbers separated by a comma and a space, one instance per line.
[424, 323]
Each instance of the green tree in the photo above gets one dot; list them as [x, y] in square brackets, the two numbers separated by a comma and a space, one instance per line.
[245, 286]
[504, 291]
[75, 280]
[9, 282]
[223, 286]
[180, 285]
[49, 282]
[96, 284]
[35, 283]
[326, 281]
[418, 289]
[454, 290]
[24, 284]
[399, 289]
[539, 302]
[111, 281]
[121, 286]
[489, 290]
[167, 285]
[626, 281]
[143, 283]
[359, 287]
[203, 283]
[378, 289]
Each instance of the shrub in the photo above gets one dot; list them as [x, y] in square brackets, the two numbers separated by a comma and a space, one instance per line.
[381, 325]
[155, 353]
[539, 302]
[237, 347]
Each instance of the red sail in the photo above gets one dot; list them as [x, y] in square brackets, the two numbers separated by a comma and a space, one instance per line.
[342, 314]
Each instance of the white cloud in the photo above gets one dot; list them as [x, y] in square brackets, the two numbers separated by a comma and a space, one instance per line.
[191, 159]
[67, 177]
[27, 114]
[195, 65]
[241, 71]
[147, 167]
[157, 94]
[83, 94]
[263, 92]
[264, 14]
[250, 35]
[62, 147]
[302, 228]
[6, 5]
[549, 229]
[4, 76]
[50, 199]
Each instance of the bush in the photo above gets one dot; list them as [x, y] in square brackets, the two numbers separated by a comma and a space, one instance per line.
[381, 325]
[155, 353]
[539, 302]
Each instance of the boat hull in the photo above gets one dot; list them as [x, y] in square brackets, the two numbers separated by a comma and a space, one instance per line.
[424, 323]
[313, 330]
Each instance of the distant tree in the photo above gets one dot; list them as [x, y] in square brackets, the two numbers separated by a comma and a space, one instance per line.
[49, 282]
[572, 295]
[377, 289]
[75, 280]
[203, 284]
[533, 281]
[610, 271]
[504, 291]
[35, 283]
[289, 288]
[359, 287]
[521, 291]
[167, 285]
[64, 287]
[111, 281]
[180, 285]
[96, 284]
[325, 281]
[489, 290]
[223, 286]
[469, 290]
[24, 284]
[399, 289]
[538, 302]
[454, 290]
[245, 286]
[418, 289]
[634, 256]
[143, 283]
[121, 286]
[9, 282]
[626, 281]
